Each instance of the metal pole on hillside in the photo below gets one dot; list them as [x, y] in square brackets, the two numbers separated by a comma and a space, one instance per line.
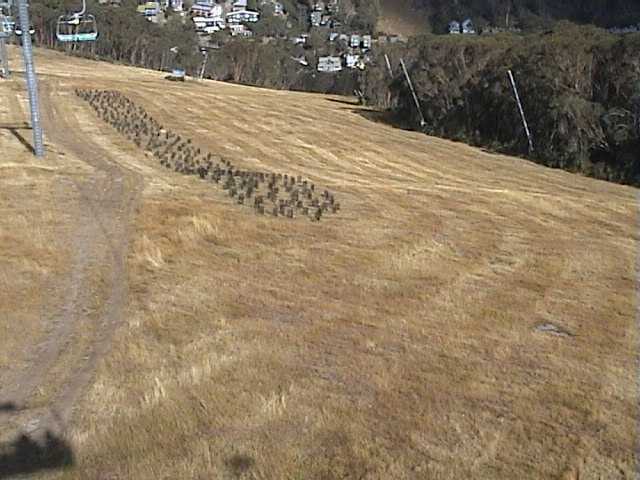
[413, 92]
[524, 120]
[4, 59]
[32, 81]
[204, 63]
[386, 59]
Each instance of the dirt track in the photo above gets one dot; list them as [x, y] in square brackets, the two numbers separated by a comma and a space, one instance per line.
[94, 295]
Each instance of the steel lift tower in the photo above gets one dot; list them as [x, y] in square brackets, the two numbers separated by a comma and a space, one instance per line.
[32, 81]
[7, 28]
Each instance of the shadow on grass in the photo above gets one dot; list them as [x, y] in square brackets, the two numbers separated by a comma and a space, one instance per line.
[239, 463]
[14, 129]
[8, 407]
[26, 456]
[353, 103]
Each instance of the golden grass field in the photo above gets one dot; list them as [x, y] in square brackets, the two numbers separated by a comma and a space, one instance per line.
[394, 340]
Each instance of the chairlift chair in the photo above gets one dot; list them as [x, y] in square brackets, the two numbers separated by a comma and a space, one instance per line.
[18, 30]
[77, 27]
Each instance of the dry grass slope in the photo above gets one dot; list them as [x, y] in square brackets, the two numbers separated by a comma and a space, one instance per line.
[396, 341]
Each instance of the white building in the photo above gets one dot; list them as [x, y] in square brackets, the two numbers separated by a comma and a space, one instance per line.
[301, 40]
[354, 41]
[208, 24]
[200, 9]
[241, 16]
[329, 64]
[454, 28]
[351, 60]
[468, 28]
[239, 5]
[239, 30]
[316, 18]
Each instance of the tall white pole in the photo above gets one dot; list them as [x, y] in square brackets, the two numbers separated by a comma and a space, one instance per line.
[413, 92]
[386, 59]
[32, 81]
[204, 64]
[524, 120]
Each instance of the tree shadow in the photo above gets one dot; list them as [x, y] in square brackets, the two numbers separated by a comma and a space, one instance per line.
[26, 456]
[343, 102]
[14, 129]
[388, 118]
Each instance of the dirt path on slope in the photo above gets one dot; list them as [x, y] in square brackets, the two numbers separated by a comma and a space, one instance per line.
[86, 310]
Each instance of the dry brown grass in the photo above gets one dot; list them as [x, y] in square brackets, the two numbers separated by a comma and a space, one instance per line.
[34, 219]
[395, 340]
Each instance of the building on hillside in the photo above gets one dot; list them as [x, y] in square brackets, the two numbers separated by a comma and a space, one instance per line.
[301, 39]
[315, 18]
[333, 7]
[278, 7]
[354, 41]
[319, 6]
[239, 5]
[491, 30]
[200, 9]
[242, 16]
[351, 60]
[208, 25]
[333, 36]
[329, 64]
[623, 30]
[239, 30]
[148, 8]
[366, 42]
[454, 28]
[468, 27]
[397, 39]
[177, 5]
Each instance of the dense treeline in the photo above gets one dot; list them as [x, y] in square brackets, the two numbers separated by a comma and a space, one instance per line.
[531, 14]
[580, 89]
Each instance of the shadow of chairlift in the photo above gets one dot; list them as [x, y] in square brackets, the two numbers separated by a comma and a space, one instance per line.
[25, 455]
[14, 129]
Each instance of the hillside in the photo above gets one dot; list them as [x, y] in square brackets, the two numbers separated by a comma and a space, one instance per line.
[580, 91]
[463, 315]
[580, 85]
[402, 17]
[525, 14]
